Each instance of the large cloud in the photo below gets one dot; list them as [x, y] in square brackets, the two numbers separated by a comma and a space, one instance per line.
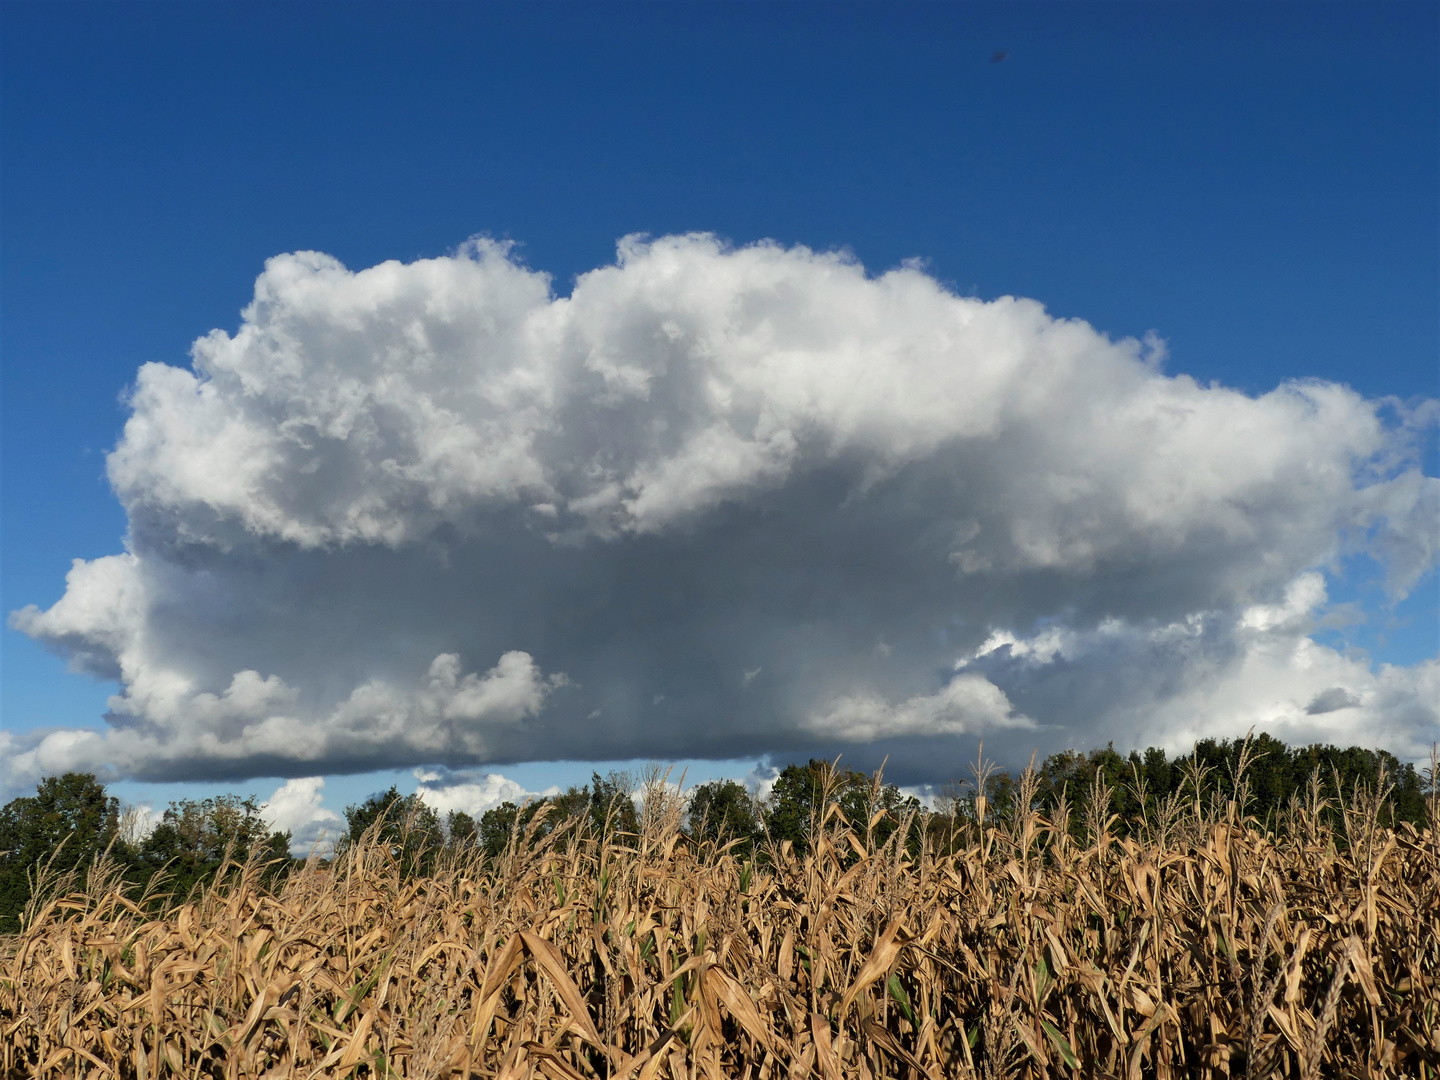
[714, 503]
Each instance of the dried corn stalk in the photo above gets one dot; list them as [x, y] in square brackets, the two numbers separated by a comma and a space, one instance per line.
[1015, 951]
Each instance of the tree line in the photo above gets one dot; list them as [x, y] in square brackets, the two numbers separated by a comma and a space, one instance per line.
[71, 820]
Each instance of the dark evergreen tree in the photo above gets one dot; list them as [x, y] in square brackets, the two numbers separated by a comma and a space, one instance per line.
[66, 823]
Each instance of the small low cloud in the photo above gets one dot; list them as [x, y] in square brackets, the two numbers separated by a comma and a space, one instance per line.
[137, 822]
[760, 781]
[446, 791]
[1331, 700]
[297, 807]
[968, 704]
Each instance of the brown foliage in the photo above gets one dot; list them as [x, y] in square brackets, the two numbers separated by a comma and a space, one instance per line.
[1000, 948]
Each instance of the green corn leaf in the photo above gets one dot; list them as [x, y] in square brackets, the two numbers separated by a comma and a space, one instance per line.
[360, 991]
[1042, 978]
[677, 1002]
[1061, 1044]
[897, 991]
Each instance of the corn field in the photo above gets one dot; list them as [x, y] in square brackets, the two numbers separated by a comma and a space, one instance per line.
[966, 946]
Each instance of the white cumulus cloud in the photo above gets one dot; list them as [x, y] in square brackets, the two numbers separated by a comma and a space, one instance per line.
[297, 807]
[433, 514]
[968, 704]
[1214, 674]
[447, 791]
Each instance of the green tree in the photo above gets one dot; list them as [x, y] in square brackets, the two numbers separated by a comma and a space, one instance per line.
[66, 823]
[722, 811]
[612, 807]
[1408, 799]
[460, 827]
[571, 803]
[194, 838]
[1274, 773]
[802, 794]
[496, 827]
[498, 824]
[404, 822]
[797, 801]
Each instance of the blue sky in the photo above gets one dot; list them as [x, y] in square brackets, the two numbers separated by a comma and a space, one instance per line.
[1254, 183]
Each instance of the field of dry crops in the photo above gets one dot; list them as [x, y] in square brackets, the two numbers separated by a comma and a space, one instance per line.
[1203, 948]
